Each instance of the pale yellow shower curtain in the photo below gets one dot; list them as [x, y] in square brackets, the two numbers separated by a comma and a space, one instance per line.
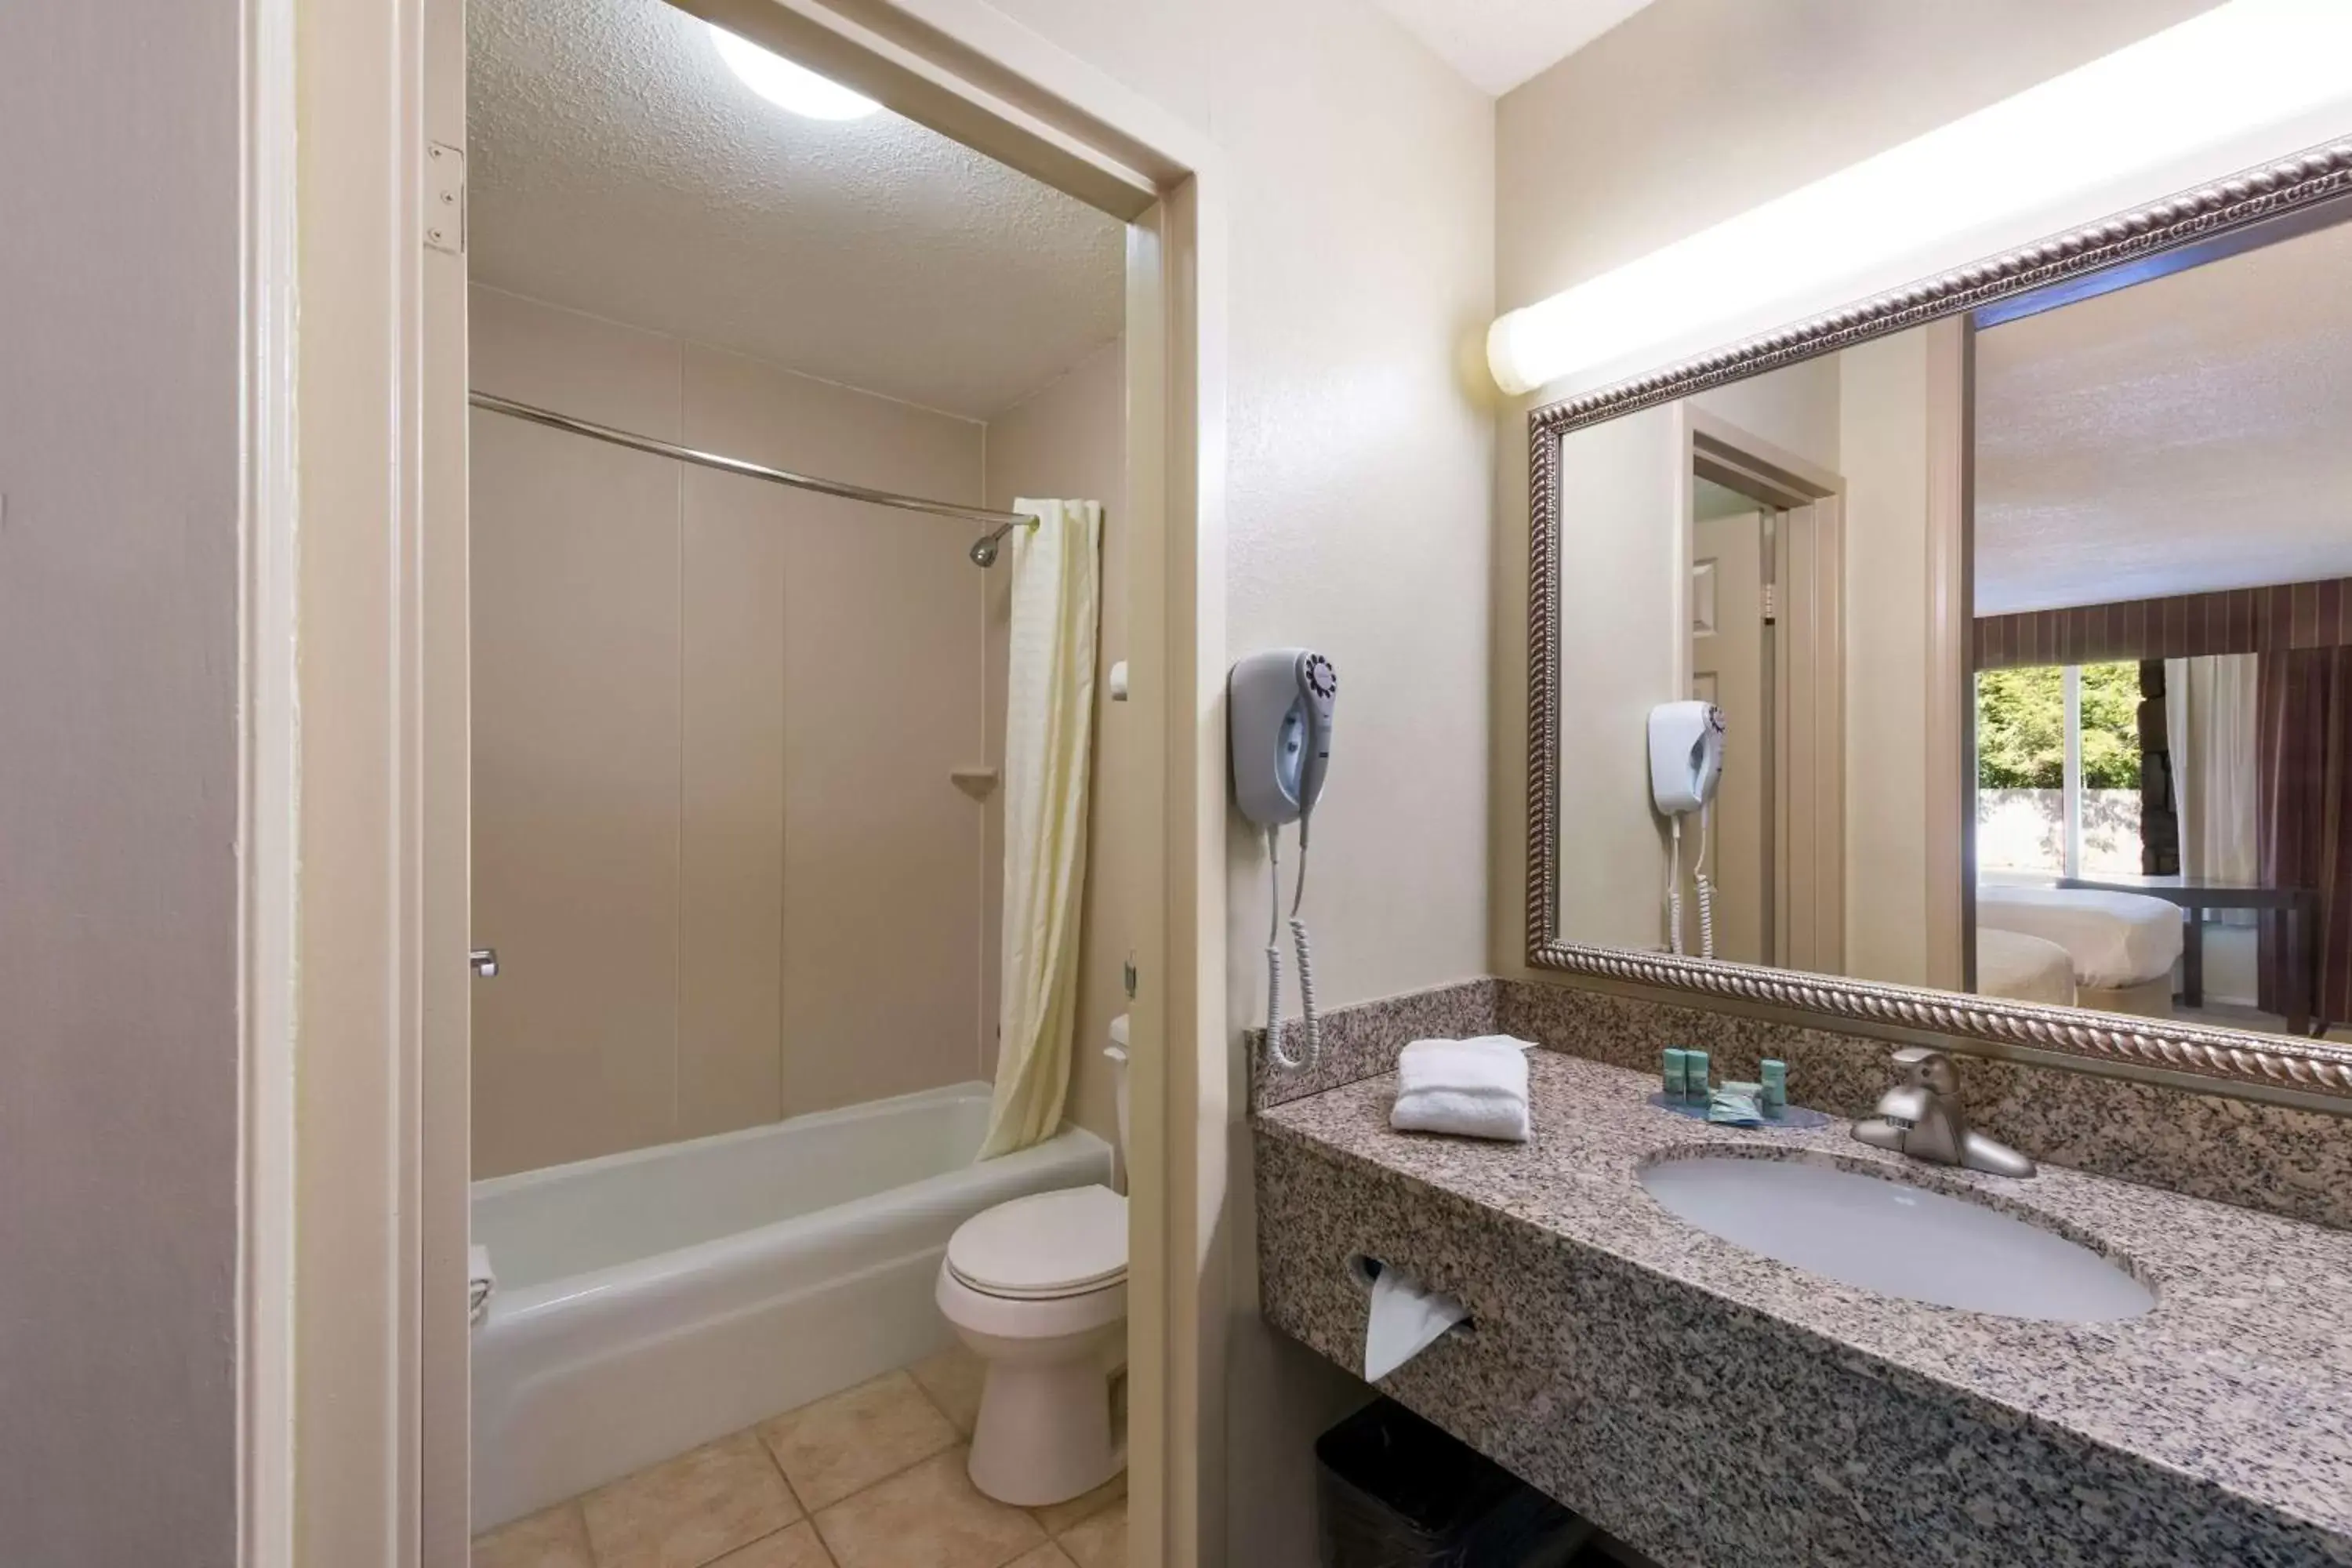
[1049, 708]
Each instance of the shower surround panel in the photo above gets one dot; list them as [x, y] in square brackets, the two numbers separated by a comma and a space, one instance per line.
[715, 843]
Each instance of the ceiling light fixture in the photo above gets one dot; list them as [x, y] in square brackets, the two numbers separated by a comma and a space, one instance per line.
[2245, 84]
[786, 84]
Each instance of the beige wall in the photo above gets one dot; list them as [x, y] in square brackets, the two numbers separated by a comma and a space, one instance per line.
[1692, 111]
[1358, 448]
[1067, 441]
[1624, 619]
[118, 659]
[1796, 409]
[1686, 114]
[1885, 462]
[715, 840]
[1624, 635]
[1358, 240]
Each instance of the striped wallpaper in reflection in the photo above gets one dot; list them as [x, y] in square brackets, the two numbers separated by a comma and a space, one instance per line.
[2187, 625]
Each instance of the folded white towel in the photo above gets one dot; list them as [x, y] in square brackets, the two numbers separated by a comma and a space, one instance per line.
[1475, 1089]
[481, 1284]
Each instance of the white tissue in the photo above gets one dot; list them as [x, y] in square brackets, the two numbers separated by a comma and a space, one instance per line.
[1406, 1321]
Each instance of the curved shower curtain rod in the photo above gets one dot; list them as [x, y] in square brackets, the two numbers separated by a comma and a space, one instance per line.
[983, 552]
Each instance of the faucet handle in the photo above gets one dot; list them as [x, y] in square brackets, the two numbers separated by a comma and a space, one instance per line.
[1929, 1067]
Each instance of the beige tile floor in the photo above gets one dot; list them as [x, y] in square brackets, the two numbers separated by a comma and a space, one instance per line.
[871, 1477]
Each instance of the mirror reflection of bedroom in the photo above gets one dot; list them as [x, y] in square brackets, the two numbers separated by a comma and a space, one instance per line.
[2163, 648]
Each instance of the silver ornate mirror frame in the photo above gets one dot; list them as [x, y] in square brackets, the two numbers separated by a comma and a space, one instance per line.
[2224, 1059]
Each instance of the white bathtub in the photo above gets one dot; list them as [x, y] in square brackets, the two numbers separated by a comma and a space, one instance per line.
[653, 1300]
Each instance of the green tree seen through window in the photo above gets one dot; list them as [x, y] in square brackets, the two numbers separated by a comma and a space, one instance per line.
[2021, 727]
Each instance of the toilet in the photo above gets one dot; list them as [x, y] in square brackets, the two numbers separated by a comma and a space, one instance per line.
[1037, 1288]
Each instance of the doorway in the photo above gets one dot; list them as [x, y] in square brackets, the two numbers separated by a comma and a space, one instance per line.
[380, 1312]
[796, 573]
[1766, 594]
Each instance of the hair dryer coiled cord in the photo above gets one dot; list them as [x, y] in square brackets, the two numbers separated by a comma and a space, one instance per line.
[1700, 881]
[1675, 889]
[1313, 1024]
[1705, 887]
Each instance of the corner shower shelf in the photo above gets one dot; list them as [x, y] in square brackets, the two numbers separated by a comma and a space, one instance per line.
[977, 783]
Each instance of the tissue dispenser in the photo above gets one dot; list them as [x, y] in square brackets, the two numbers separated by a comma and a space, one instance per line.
[1406, 1318]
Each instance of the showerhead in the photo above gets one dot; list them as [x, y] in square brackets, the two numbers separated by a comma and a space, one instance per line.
[984, 548]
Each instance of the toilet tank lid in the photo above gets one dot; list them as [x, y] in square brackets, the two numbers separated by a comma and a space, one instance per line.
[1050, 1244]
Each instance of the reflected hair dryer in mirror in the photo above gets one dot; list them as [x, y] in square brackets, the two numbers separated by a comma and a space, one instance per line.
[1686, 763]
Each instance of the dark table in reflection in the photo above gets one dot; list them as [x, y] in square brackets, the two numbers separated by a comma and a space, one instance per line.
[2299, 907]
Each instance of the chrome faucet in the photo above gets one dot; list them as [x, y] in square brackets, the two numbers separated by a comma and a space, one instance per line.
[1922, 1117]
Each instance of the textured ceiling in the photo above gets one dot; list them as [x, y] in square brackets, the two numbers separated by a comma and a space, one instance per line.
[2188, 434]
[1499, 44]
[619, 167]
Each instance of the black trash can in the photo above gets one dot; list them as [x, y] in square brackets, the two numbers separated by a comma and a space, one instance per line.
[1393, 1491]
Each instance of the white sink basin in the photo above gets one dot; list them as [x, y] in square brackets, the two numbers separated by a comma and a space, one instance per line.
[1894, 1239]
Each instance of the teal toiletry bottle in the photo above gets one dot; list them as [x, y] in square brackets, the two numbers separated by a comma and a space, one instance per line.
[1677, 1071]
[1776, 1086]
[1695, 1069]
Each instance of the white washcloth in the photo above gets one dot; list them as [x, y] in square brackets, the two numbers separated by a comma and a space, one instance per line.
[1475, 1089]
[481, 1283]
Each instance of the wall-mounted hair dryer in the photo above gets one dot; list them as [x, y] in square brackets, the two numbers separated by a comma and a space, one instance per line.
[1686, 763]
[1278, 730]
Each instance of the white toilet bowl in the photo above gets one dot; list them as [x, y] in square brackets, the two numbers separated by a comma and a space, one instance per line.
[1037, 1288]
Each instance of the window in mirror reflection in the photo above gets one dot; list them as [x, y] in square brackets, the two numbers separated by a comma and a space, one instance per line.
[2059, 786]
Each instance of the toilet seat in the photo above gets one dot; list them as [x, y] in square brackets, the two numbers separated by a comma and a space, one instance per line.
[1046, 1247]
[1036, 1289]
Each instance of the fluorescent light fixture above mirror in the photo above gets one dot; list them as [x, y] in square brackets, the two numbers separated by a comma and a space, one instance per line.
[786, 84]
[2243, 83]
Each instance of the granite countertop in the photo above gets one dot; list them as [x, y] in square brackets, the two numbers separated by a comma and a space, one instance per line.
[2240, 1375]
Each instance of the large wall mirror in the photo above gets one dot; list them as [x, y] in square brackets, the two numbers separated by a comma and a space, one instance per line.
[2023, 600]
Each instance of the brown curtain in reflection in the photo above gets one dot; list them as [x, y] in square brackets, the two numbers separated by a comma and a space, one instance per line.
[2303, 817]
[2159, 802]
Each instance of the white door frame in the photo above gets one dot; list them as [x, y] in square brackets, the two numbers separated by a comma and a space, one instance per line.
[268, 778]
[1952, 695]
[354, 1204]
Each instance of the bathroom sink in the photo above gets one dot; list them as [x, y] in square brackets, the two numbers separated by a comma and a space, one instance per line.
[1894, 1239]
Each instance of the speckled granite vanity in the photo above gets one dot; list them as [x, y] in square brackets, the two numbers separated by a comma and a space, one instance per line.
[1714, 1407]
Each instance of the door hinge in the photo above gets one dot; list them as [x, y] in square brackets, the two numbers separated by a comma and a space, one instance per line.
[1772, 603]
[444, 197]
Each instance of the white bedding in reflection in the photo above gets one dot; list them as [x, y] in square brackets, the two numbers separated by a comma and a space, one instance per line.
[2019, 968]
[2115, 940]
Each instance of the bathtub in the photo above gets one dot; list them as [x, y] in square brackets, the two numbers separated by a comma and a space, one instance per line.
[653, 1300]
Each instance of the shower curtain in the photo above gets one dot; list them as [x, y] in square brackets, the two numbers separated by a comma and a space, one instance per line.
[1049, 707]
